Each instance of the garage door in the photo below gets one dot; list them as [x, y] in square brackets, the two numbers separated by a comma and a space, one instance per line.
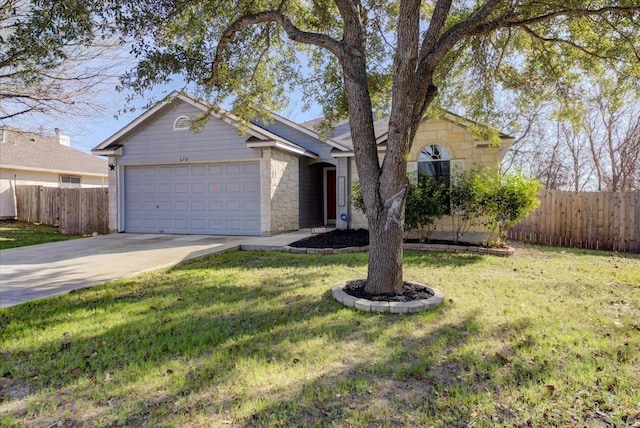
[213, 199]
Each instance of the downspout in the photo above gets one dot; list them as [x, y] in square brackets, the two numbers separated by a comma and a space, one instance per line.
[13, 191]
[119, 195]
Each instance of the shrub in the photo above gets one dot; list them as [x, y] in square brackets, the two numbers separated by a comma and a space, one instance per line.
[507, 199]
[356, 197]
[465, 198]
[425, 202]
[477, 196]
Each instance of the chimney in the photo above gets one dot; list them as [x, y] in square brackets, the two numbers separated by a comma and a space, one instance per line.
[62, 139]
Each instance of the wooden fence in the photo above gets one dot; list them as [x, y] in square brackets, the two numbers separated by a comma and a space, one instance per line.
[76, 211]
[595, 220]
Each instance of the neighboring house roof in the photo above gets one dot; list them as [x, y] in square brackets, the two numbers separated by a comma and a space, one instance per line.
[258, 136]
[34, 152]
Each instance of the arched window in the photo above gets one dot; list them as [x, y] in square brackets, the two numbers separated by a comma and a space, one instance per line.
[434, 161]
[182, 123]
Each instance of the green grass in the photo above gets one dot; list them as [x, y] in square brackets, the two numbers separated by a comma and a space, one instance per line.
[547, 337]
[19, 234]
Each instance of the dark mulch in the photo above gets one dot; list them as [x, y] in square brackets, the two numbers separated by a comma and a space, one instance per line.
[354, 238]
[335, 239]
[411, 292]
[442, 242]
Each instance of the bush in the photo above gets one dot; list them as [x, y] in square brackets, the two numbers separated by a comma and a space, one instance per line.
[356, 197]
[465, 199]
[478, 196]
[507, 199]
[425, 202]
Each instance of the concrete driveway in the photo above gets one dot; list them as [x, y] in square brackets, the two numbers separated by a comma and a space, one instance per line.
[38, 271]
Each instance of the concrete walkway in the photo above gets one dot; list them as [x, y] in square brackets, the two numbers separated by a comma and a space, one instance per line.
[38, 271]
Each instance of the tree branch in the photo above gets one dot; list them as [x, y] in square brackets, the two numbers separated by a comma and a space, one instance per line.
[535, 35]
[625, 37]
[25, 111]
[441, 11]
[433, 49]
[465, 28]
[293, 32]
[574, 13]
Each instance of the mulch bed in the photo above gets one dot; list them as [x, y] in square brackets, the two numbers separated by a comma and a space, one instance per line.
[335, 239]
[411, 292]
[355, 238]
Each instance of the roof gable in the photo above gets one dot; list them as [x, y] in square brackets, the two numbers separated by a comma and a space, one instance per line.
[255, 132]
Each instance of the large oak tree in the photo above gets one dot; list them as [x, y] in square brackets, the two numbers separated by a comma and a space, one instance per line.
[355, 57]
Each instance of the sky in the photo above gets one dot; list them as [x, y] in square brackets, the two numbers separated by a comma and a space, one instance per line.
[89, 130]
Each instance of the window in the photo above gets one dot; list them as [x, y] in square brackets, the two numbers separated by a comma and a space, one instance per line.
[434, 161]
[182, 123]
[69, 181]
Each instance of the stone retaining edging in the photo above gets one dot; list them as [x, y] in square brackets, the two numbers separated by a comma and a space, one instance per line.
[508, 251]
[472, 249]
[384, 306]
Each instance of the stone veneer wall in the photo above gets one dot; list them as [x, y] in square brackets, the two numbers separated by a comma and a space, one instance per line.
[463, 148]
[280, 199]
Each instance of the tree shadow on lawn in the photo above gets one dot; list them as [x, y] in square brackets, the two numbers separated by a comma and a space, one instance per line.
[440, 259]
[164, 324]
[431, 380]
[156, 340]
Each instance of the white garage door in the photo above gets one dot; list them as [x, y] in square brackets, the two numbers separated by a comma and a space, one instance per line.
[213, 199]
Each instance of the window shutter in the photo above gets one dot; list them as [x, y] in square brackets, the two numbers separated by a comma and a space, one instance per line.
[412, 172]
[457, 166]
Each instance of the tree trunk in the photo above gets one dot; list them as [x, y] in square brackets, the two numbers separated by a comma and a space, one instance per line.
[384, 188]
[384, 274]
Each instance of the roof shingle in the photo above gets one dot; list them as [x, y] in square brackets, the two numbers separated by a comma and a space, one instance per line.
[21, 149]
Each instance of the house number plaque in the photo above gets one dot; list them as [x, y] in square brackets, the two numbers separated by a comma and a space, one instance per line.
[341, 191]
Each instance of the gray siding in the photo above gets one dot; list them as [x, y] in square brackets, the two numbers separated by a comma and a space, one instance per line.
[157, 142]
[300, 138]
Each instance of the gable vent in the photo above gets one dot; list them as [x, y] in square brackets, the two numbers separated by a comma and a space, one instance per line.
[182, 123]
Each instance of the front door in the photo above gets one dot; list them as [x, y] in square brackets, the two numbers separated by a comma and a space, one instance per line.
[330, 195]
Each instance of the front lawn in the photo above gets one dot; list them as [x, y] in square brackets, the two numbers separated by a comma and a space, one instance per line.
[19, 234]
[548, 337]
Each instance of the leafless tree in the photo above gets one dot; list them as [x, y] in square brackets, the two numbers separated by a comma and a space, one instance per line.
[613, 130]
[595, 146]
[46, 71]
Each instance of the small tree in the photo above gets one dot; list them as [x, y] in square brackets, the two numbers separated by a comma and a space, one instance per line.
[465, 198]
[426, 202]
[505, 199]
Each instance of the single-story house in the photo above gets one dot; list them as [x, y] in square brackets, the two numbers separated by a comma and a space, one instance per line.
[234, 178]
[28, 158]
